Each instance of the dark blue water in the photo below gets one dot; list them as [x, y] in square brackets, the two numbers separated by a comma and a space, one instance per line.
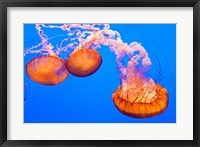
[89, 99]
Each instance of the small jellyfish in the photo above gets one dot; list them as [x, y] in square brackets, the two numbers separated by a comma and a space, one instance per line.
[47, 70]
[84, 62]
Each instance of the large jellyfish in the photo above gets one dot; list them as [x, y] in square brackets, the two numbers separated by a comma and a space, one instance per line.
[138, 95]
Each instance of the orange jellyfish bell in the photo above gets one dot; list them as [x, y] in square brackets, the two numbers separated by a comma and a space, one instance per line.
[84, 62]
[141, 108]
[47, 70]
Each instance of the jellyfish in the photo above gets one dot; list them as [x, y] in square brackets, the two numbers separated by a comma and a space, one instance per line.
[138, 95]
[137, 106]
[84, 62]
[47, 70]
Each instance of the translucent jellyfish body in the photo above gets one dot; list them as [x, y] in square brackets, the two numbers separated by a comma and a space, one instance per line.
[84, 62]
[47, 70]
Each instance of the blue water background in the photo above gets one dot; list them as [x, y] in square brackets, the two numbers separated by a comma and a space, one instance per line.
[89, 99]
